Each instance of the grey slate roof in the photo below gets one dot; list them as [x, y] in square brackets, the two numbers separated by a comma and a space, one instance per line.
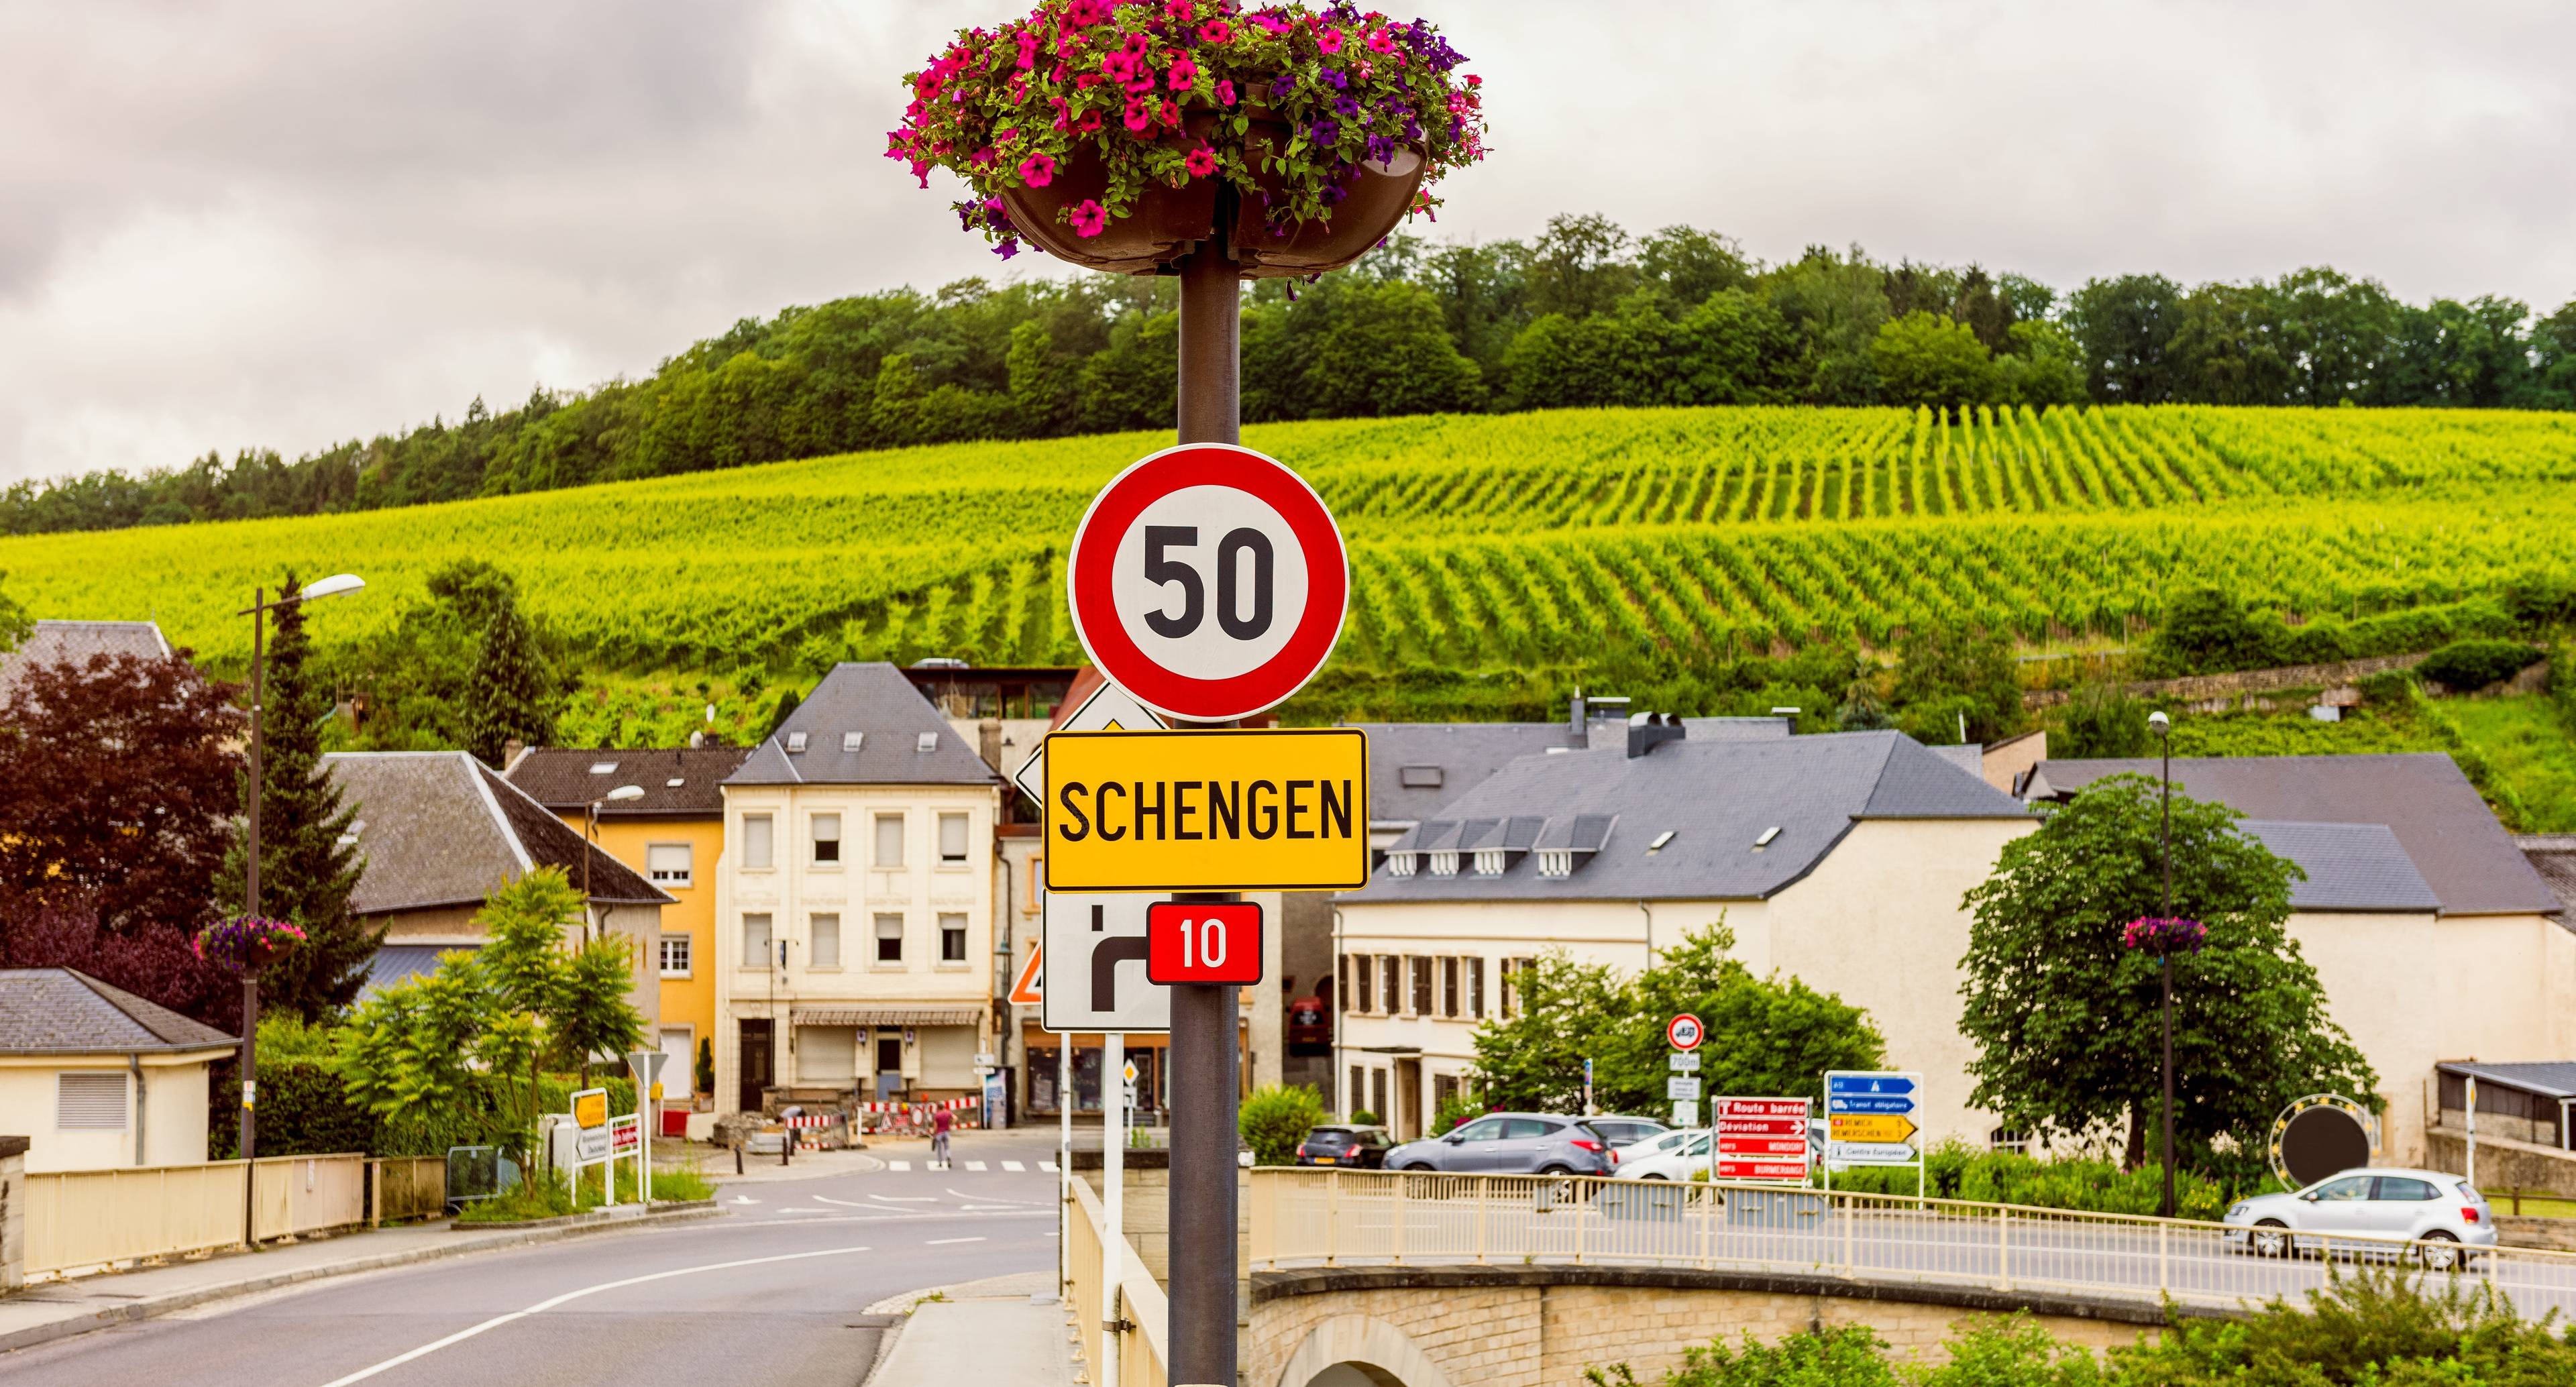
[64, 1011]
[1716, 797]
[2553, 856]
[2356, 867]
[878, 702]
[53, 642]
[2446, 829]
[1446, 760]
[563, 779]
[2548, 1078]
[440, 828]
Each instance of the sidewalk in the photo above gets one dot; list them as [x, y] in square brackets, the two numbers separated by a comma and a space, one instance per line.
[1008, 1329]
[57, 1309]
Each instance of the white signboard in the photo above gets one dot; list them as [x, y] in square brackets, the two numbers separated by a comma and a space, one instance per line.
[1678, 1089]
[1686, 1113]
[1685, 1061]
[1109, 709]
[1095, 966]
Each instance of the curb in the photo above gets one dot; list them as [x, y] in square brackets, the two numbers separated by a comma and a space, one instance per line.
[156, 1306]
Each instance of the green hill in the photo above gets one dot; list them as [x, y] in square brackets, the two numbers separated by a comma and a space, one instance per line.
[1545, 548]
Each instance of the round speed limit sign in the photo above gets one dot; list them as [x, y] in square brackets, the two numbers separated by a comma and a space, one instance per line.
[1208, 581]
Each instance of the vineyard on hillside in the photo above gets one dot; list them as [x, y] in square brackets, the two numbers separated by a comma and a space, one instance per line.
[1578, 540]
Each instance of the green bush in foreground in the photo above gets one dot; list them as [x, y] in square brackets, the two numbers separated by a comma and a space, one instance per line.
[1274, 1119]
[2372, 1328]
[2467, 665]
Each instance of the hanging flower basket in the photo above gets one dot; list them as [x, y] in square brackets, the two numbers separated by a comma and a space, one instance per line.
[1121, 136]
[2158, 935]
[247, 943]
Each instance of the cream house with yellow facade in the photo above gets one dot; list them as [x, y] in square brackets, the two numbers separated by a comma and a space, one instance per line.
[854, 906]
[660, 811]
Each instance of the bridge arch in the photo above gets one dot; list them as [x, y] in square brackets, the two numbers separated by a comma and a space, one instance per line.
[1360, 1351]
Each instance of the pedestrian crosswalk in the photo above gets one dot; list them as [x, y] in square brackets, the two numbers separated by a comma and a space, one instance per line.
[1013, 1166]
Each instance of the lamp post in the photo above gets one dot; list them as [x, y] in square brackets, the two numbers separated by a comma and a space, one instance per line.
[260, 607]
[2162, 727]
[590, 839]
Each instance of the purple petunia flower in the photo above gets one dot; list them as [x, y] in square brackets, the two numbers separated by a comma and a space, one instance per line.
[1279, 90]
[1007, 249]
[1381, 148]
[1333, 77]
[1326, 132]
[1346, 105]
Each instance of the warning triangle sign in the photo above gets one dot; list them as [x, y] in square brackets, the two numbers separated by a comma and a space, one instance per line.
[1027, 991]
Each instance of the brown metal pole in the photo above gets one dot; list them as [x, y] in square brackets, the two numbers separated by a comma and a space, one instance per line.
[249, 1136]
[1205, 1055]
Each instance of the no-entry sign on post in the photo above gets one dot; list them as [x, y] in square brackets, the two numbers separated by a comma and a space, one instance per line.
[1208, 581]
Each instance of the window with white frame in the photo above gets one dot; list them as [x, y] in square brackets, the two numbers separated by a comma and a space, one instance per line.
[825, 951]
[889, 939]
[1444, 864]
[675, 955]
[889, 840]
[668, 864]
[1489, 862]
[827, 839]
[952, 939]
[755, 940]
[952, 839]
[89, 1102]
[1399, 864]
[755, 841]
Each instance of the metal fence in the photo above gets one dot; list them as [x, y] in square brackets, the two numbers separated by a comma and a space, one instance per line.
[1343, 1217]
[1140, 1336]
[400, 1187]
[82, 1219]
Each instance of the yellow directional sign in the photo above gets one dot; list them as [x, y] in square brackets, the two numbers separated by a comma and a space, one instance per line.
[1277, 809]
[1872, 1127]
[590, 1108]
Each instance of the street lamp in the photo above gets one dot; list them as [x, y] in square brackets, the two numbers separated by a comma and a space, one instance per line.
[2162, 727]
[590, 839]
[260, 607]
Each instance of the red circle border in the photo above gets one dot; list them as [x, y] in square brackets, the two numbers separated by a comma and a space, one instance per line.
[1124, 663]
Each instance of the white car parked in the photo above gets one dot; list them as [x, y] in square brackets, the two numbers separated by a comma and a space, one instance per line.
[1672, 1156]
[2443, 1213]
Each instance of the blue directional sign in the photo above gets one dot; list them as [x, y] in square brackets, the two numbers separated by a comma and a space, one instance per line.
[1869, 1083]
[1845, 1103]
[1870, 1119]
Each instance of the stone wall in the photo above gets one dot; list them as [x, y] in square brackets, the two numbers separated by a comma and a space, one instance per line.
[2198, 687]
[2545, 1234]
[1522, 1326]
[2503, 1164]
[13, 1213]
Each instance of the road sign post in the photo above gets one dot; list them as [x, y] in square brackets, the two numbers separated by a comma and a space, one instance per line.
[646, 1066]
[1870, 1121]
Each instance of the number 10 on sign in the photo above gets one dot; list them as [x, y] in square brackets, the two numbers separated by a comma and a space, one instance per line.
[1203, 942]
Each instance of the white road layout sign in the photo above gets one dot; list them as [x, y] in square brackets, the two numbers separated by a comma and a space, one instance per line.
[1678, 1088]
[1095, 966]
[1109, 709]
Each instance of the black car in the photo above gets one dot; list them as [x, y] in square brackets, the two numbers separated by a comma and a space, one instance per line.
[1364, 1147]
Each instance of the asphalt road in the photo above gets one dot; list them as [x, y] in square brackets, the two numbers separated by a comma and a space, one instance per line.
[773, 1292]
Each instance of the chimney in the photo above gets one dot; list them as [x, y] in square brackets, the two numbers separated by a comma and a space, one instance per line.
[1575, 730]
[511, 751]
[988, 742]
[1646, 731]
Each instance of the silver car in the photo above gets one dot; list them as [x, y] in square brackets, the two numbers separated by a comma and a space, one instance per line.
[1510, 1143]
[2443, 1213]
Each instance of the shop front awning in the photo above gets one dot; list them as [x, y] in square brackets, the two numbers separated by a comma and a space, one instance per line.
[893, 1014]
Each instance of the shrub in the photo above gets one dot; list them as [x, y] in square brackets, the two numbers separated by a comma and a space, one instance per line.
[2101, 720]
[1364, 1118]
[2206, 631]
[1456, 1108]
[303, 1111]
[2371, 1326]
[1850, 1356]
[1274, 1119]
[1954, 1170]
[2474, 664]
[2387, 686]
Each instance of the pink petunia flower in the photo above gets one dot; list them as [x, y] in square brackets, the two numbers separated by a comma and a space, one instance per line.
[1038, 170]
[1089, 218]
[1028, 50]
[1180, 74]
[1215, 31]
[1330, 40]
[1090, 123]
[1082, 14]
[1139, 114]
[1201, 162]
[1225, 92]
[1379, 41]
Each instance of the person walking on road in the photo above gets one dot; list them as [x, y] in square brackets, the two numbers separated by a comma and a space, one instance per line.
[940, 1122]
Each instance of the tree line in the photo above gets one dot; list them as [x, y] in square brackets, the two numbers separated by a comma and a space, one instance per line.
[1585, 314]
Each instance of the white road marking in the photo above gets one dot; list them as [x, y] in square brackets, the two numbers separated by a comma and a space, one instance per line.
[979, 1200]
[898, 1165]
[792, 1210]
[1013, 1165]
[974, 1165]
[943, 1242]
[908, 1198]
[542, 1306]
[1047, 1166]
[744, 1199]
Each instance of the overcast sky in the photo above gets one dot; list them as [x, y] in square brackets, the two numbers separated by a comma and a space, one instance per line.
[227, 223]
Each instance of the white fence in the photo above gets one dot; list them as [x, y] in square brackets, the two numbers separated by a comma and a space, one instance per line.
[1346, 1217]
[83, 1219]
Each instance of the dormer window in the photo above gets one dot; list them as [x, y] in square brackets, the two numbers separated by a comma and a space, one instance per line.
[1399, 864]
[850, 741]
[1444, 864]
[795, 743]
[1489, 862]
[1558, 863]
[603, 768]
[929, 741]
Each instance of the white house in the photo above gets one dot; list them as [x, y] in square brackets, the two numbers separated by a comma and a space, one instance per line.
[1840, 859]
[856, 901]
[96, 1077]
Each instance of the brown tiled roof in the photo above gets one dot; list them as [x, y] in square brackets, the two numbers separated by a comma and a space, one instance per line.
[441, 828]
[66, 1011]
[675, 780]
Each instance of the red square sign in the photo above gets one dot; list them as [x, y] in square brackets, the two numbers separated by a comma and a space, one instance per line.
[1219, 942]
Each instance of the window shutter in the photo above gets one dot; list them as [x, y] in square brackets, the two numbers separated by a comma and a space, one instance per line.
[89, 1102]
